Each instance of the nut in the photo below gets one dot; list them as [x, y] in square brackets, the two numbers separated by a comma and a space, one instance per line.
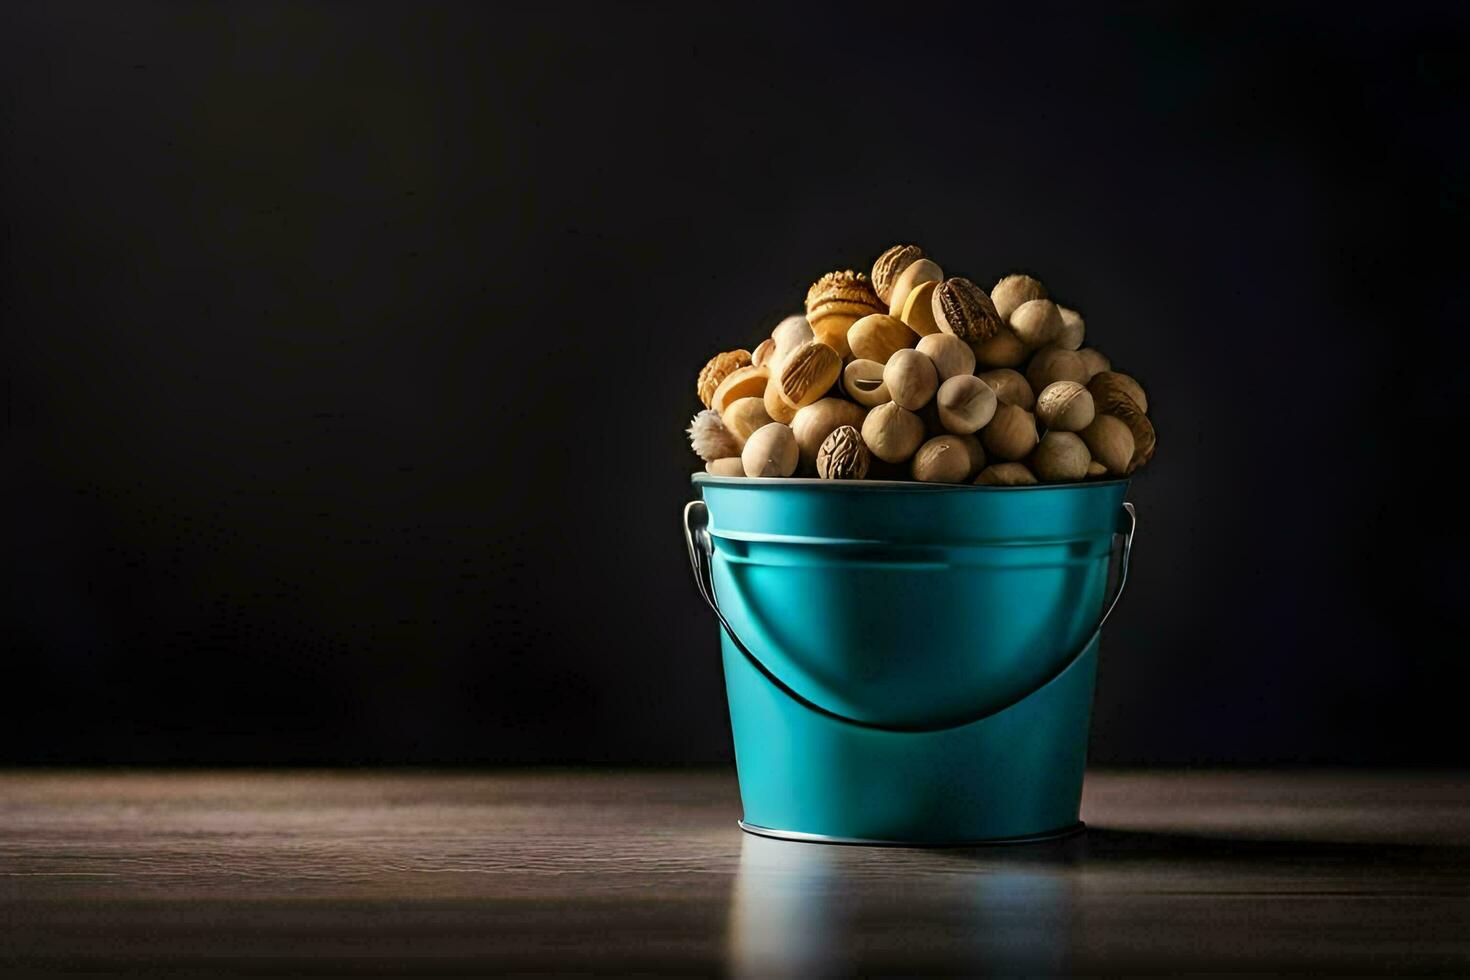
[1106, 386]
[743, 416]
[1011, 434]
[807, 374]
[725, 466]
[875, 337]
[890, 266]
[1142, 429]
[964, 309]
[770, 451]
[709, 437]
[1096, 469]
[1003, 350]
[1051, 364]
[1011, 387]
[1005, 475]
[1012, 291]
[835, 302]
[1037, 322]
[892, 432]
[739, 383]
[1110, 441]
[911, 379]
[1065, 405]
[943, 459]
[863, 381]
[966, 404]
[951, 355]
[778, 408]
[718, 369]
[1073, 329]
[842, 455]
[814, 423]
[789, 334]
[763, 351]
[1095, 361]
[1060, 457]
[918, 271]
[918, 309]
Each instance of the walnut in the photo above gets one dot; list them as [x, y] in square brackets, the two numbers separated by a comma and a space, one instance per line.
[843, 455]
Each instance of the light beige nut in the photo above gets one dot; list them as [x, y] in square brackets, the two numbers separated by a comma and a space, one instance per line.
[809, 372]
[835, 302]
[964, 309]
[1096, 469]
[1144, 440]
[1065, 405]
[740, 383]
[1012, 291]
[966, 404]
[892, 433]
[951, 355]
[744, 415]
[918, 271]
[1037, 322]
[718, 369]
[709, 437]
[778, 408]
[863, 382]
[1004, 350]
[1005, 475]
[890, 265]
[875, 337]
[1073, 329]
[1011, 387]
[911, 379]
[943, 459]
[770, 451]
[1011, 434]
[843, 455]
[1060, 457]
[976, 451]
[1095, 361]
[763, 351]
[725, 466]
[789, 334]
[918, 309]
[1107, 385]
[816, 421]
[1110, 441]
[1052, 364]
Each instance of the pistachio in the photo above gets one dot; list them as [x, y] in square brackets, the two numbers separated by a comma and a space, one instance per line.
[843, 456]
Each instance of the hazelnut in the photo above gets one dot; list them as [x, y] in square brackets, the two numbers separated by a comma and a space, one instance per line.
[1005, 475]
[1107, 385]
[814, 423]
[892, 432]
[770, 451]
[1065, 405]
[918, 271]
[890, 265]
[951, 355]
[1060, 457]
[763, 351]
[842, 455]
[777, 407]
[1052, 364]
[976, 451]
[739, 383]
[1073, 329]
[863, 381]
[1011, 434]
[1011, 387]
[964, 309]
[911, 378]
[918, 309]
[789, 334]
[966, 404]
[809, 372]
[725, 466]
[943, 459]
[718, 369]
[1012, 291]
[1110, 441]
[743, 416]
[1004, 350]
[1095, 361]
[1037, 322]
[709, 437]
[875, 337]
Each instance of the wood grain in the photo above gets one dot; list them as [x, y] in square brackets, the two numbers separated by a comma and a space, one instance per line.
[316, 873]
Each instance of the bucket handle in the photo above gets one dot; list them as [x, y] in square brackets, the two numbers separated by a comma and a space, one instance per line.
[701, 559]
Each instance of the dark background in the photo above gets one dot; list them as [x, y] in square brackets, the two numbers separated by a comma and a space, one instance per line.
[348, 350]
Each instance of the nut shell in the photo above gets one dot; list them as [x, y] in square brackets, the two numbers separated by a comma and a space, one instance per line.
[966, 404]
[863, 382]
[1012, 291]
[951, 355]
[809, 372]
[911, 379]
[890, 265]
[1142, 429]
[770, 451]
[1110, 441]
[739, 383]
[814, 423]
[1037, 322]
[1060, 457]
[1074, 330]
[1011, 387]
[1053, 364]
[843, 455]
[892, 433]
[1006, 475]
[918, 271]
[877, 336]
[943, 459]
[1107, 386]
[964, 309]
[1011, 434]
[1065, 405]
[718, 369]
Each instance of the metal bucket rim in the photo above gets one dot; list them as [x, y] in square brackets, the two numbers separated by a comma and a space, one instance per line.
[889, 486]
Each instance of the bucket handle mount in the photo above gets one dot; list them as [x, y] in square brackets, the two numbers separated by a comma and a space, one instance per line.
[701, 559]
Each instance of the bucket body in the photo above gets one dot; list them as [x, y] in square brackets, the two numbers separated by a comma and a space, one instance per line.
[910, 663]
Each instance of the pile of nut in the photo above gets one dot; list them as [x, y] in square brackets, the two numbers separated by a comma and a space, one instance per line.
[911, 374]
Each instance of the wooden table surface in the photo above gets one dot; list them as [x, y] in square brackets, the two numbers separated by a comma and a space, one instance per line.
[393, 872]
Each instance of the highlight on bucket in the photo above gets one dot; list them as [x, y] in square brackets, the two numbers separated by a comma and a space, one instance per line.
[912, 503]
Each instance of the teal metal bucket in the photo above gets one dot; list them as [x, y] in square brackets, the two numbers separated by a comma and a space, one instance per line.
[909, 663]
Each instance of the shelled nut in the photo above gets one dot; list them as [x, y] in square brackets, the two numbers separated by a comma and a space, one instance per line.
[911, 379]
[966, 404]
[1005, 475]
[951, 355]
[892, 432]
[1060, 457]
[863, 382]
[1011, 434]
[770, 451]
[1065, 405]
[1011, 387]
[814, 423]
[943, 459]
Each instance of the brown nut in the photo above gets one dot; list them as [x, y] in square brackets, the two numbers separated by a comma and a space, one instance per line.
[863, 382]
[777, 407]
[789, 334]
[1037, 322]
[718, 369]
[843, 456]
[951, 355]
[918, 309]
[770, 451]
[743, 416]
[943, 459]
[725, 466]
[964, 309]
[835, 302]
[1052, 364]
[966, 404]
[1004, 350]
[1073, 329]
[1110, 441]
[1065, 405]
[892, 432]
[1012, 291]
[1011, 434]
[739, 383]
[709, 437]
[977, 453]
[1096, 469]
[875, 337]
[763, 351]
[814, 423]
[1140, 426]
[911, 379]
[807, 374]
[918, 271]
[890, 265]
[1095, 361]
[1011, 387]
[1060, 457]
[1005, 475]
[1106, 386]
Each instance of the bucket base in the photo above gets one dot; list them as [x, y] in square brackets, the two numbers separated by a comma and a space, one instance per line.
[796, 835]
